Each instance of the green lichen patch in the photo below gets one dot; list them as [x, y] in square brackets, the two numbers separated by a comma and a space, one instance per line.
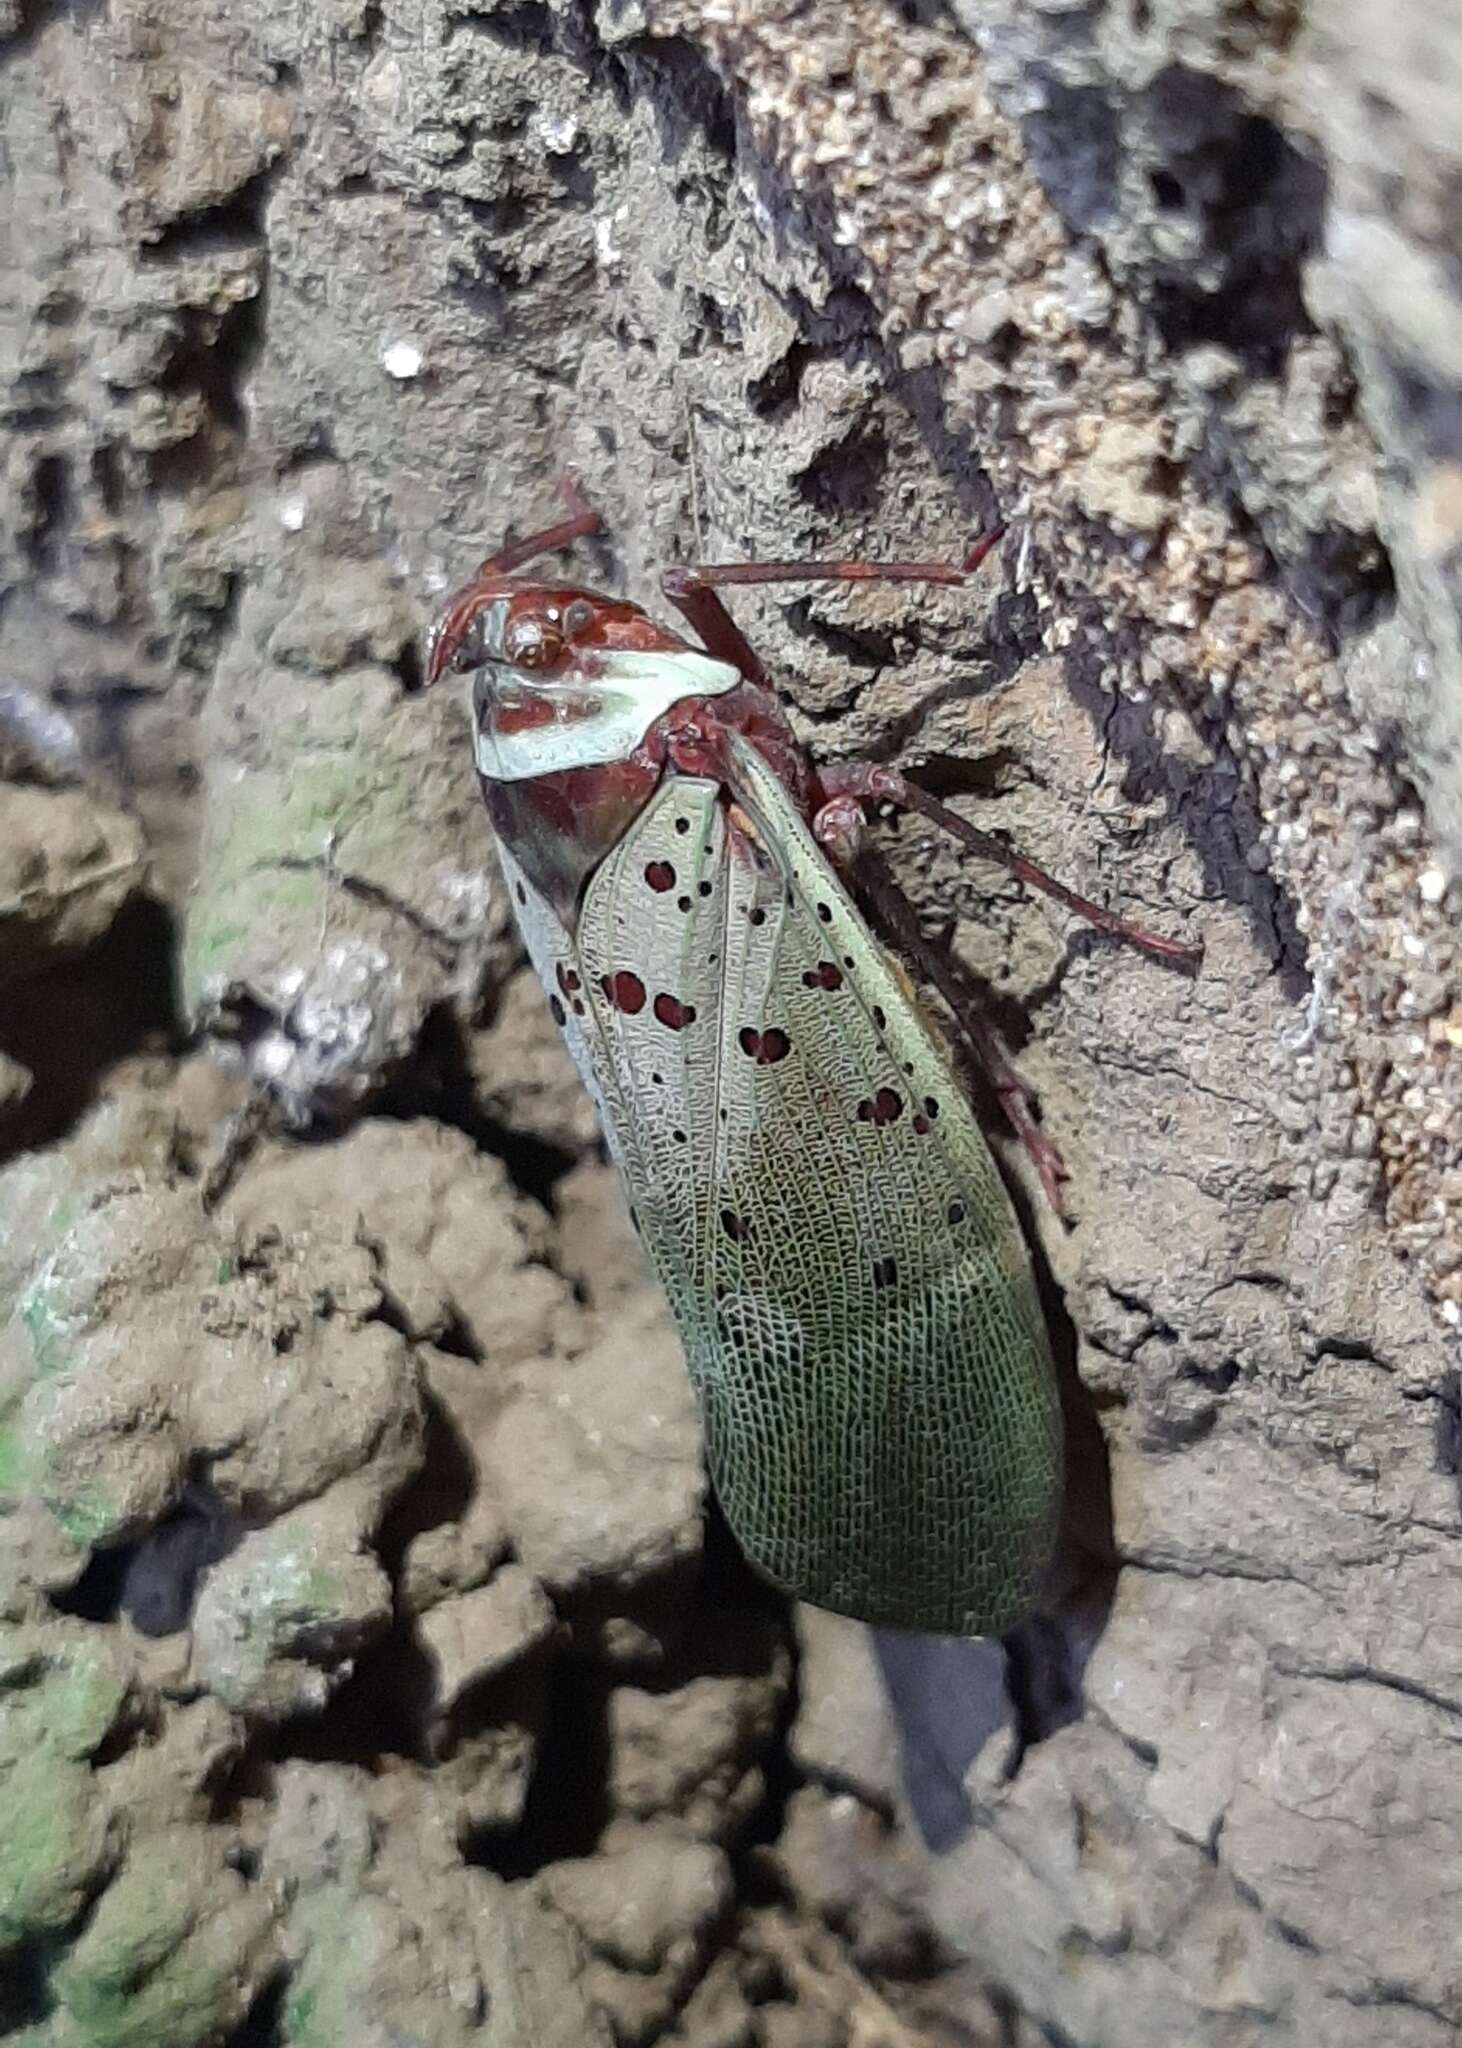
[87, 1515]
[46, 1325]
[57, 1841]
[18, 1460]
[279, 1600]
[350, 1934]
[62, 1698]
[162, 1962]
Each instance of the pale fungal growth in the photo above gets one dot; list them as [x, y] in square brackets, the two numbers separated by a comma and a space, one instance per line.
[272, 1056]
[559, 132]
[40, 729]
[1431, 885]
[606, 248]
[464, 899]
[402, 360]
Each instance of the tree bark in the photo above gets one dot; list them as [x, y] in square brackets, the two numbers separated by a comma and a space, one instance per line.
[351, 1543]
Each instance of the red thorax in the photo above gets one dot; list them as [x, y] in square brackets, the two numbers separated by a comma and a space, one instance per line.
[574, 735]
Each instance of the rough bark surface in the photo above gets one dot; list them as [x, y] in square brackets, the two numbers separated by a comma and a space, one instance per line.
[366, 1671]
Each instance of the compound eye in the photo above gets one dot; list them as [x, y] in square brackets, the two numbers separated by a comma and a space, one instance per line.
[532, 643]
[578, 618]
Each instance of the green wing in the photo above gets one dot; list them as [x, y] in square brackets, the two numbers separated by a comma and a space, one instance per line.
[850, 1281]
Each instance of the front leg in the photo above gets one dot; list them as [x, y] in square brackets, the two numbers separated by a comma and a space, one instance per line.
[714, 626]
[691, 588]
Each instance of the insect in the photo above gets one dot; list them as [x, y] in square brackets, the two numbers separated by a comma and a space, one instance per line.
[850, 1282]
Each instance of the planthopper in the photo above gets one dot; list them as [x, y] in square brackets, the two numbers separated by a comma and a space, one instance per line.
[848, 1275]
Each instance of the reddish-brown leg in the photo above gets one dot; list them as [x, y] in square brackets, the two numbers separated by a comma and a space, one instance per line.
[873, 784]
[691, 588]
[894, 912]
[713, 625]
[582, 520]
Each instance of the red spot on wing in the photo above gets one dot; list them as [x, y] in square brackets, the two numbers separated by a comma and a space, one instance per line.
[625, 990]
[921, 1125]
[765, 1047]
[673, 1013]
[824, 975]
[883, 1108]
[660, 876]
[568, 981]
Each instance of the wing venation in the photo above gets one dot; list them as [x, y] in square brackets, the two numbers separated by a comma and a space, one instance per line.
[854, 1295]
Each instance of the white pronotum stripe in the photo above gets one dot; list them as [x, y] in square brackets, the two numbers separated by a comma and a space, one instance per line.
[629, 692]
